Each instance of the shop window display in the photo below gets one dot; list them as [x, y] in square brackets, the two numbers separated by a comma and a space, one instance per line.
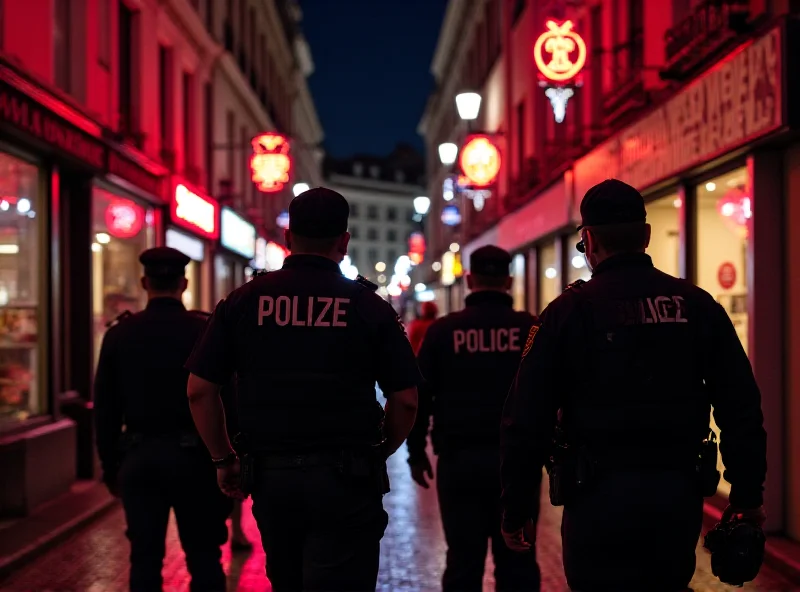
[723, 212]
[518, 281]
[21, 346]
[549, 274]
[663, 215]
[122, 229]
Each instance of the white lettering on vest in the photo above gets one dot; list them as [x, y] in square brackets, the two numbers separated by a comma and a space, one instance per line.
[486, 340]
[282, 318]
[300, 312]
[661, 309]
[266, 304]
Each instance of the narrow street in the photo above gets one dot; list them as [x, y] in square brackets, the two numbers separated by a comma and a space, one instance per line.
[412, 554]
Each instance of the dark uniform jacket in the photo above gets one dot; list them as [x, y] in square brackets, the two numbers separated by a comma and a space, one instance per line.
[634, 359]
[140, 380]
[307, 346]
[468, 359]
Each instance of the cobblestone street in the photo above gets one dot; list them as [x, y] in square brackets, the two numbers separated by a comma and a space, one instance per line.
[412, 554]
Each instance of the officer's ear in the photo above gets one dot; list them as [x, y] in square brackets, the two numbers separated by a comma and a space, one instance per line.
[287, 236]
[145, 284]
[344, 240]
[647, 233]
[509, 281]
[470, 281]
[183, 284]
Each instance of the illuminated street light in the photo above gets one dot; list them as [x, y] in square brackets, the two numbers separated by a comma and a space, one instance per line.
[454, 247]
[380, 266]
[421, 205]
[448, 152]
[300, 188]
[468, 105]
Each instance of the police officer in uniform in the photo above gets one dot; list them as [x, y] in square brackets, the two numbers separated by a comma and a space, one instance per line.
[307, 346]
[631, 361]
[469, 359]
[159, 462]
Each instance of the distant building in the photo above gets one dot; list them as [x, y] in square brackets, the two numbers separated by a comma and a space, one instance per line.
[381, 192]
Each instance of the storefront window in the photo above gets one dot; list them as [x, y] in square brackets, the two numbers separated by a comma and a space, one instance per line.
[664, 218]
[21, 394]
[576, 262]
[122, 229]
[223, 277]
[518, 281]
[194, 249]
[723, 210]
[549, 274]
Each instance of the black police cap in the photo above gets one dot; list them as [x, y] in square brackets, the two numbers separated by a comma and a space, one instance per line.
[319, 213]
[612, 202]
[490, 261]
[164, 262]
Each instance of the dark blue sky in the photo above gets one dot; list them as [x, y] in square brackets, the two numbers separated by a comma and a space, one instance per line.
[372, 75]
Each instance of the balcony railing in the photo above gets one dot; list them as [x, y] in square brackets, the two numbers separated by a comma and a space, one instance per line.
[711, 24]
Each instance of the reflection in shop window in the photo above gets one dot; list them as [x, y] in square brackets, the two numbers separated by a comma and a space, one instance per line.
[723, 212]
[122, 229]
[663, 215]
[576, 262]
[549, 274]
[20, 352]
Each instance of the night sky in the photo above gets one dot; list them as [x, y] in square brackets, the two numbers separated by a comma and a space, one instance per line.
[372, 70]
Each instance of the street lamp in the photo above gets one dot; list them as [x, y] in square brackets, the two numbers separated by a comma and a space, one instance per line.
[468, 105]
[300, 188]
[448, 152]
[421, 205]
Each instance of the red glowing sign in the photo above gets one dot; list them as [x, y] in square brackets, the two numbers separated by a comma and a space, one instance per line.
[480, 161]
[416, 243]
[270, 164]
[726, 275]
[561, 42]
[124, 219]
[198, 214]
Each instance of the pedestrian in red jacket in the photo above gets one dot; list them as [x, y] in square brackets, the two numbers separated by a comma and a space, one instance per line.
[419, 326]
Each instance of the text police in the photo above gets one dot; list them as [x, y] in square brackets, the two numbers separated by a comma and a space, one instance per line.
[311, 311]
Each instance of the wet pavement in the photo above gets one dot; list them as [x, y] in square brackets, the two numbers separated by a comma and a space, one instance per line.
[412, 554]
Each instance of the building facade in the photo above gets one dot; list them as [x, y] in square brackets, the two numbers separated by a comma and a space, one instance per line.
[107, 148]
[687, 101]
[381, 194]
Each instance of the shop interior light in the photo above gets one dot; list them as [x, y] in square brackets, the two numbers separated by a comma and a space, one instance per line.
[677, 203]
[550, 273]
[380, 266]
[421, 205]
[300, 188]
[23, 206]
[711, 186]
[394, 290]
[454, 247]
[102, 238]
[448, 152]
[436, 266]
[9, 249]
[31, 214]
[381, 279]
[420, 287]
[578, 261]
[4, 205]
[468, 105]
[97, 247]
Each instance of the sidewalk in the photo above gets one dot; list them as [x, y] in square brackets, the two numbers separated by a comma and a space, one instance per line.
[24, 539]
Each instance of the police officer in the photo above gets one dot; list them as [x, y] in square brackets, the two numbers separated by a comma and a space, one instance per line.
[159, 462]
[469, 359]
[307, 346]
[632, 361]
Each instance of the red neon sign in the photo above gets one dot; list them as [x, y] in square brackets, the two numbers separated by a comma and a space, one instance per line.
[124, 219]
[270, 164]
[561, 42]
[480, 161]
[195, 213]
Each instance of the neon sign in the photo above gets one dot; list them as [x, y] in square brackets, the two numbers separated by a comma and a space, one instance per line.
[560, 41]
[237, 234]
[480, 161]
[124, 219]
[270, 164]
[198, 214]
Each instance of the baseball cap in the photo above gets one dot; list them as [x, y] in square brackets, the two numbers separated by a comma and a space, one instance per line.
[490, 261]
[612, 202]
[319, 213]
[163, 262]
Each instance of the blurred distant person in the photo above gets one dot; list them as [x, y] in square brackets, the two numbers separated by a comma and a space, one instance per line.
[468, 360]
[419, 326]
[158, 463]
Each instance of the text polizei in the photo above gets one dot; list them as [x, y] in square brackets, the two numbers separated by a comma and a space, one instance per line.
[303, 311]
[486, 340]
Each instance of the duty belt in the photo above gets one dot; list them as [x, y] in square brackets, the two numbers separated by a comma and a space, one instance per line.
[285, 460]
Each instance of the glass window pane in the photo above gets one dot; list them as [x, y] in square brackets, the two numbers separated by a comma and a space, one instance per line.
[518, 282]
[664, 218]
[576, 262]
[122, 229]
[21, 393]
[549, 274]
[191, 297]
[723, 210]
[223, 272]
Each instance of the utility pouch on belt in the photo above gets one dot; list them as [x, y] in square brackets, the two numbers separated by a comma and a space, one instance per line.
[570, 469]
[556, 467]
[707, 466]
[246, 463]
